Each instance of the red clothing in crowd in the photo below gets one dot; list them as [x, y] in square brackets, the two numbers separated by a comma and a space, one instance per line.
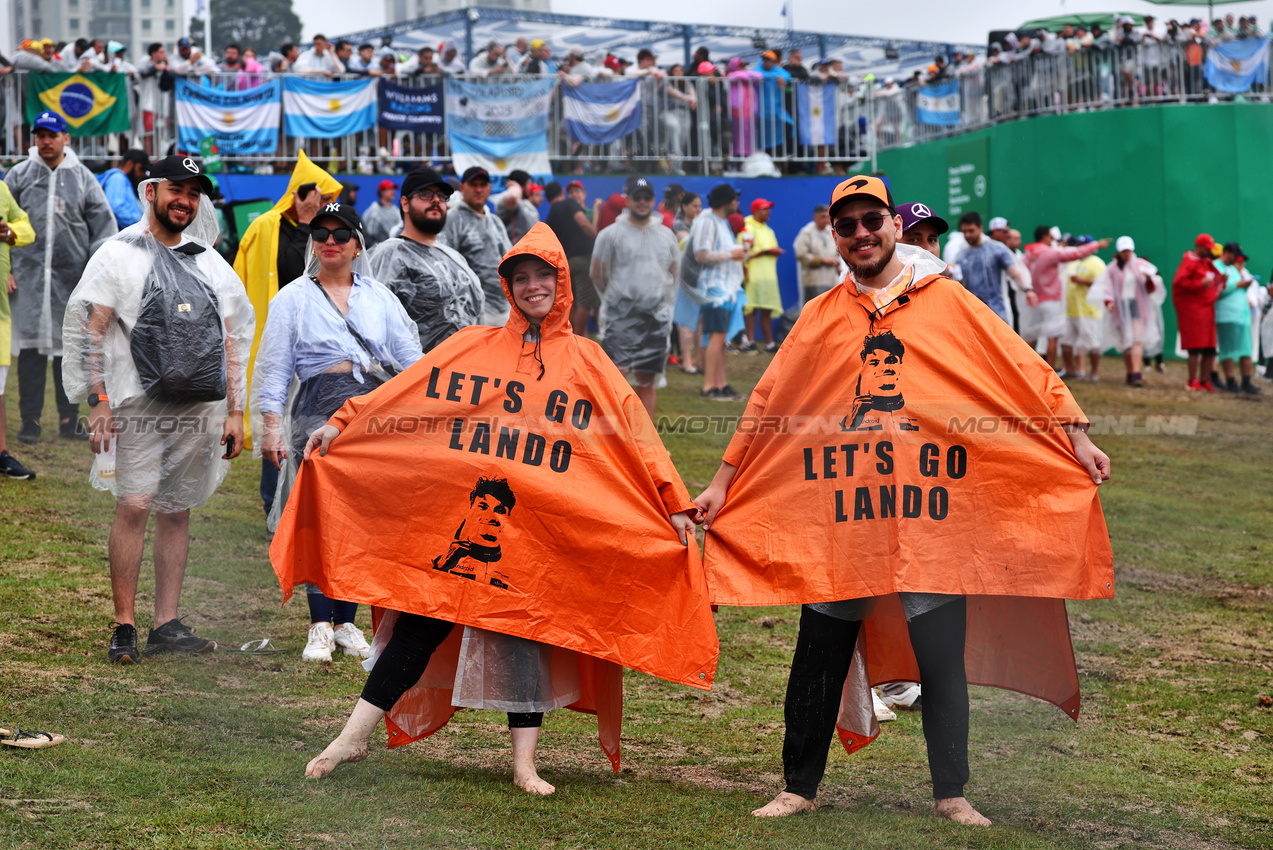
[1195, 288]
[610, 210]
[1044, 262]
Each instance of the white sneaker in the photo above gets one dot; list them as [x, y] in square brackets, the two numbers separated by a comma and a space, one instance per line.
[320, 644]
[907, 700]
[882, 712]
[350, 639]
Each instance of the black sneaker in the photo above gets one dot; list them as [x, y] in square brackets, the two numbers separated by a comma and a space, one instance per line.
[11, 468]
[1249, 388]
[124, 645]
[73, 429]
[710, 394]
[173, 636]
[727, 393]
[30, 433]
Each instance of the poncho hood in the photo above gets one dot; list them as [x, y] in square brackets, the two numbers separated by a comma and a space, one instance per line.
[306, 171]
[540, 242]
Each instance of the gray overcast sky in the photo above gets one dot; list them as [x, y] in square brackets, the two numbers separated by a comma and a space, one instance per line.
[925, 20]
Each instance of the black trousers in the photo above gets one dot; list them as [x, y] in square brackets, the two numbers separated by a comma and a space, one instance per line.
[33, 370]
[402, 663]
[824, 650]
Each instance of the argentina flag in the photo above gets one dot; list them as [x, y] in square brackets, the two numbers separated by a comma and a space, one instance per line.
[939, 104]
[242, 122]
[499, 126]
[815, 113]
[1233, 66]
[319, 109]
[600, 113]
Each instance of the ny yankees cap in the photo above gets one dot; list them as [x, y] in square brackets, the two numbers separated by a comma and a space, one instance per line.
[177, 168]
[859, 185]
[346, 214]
[913, 214]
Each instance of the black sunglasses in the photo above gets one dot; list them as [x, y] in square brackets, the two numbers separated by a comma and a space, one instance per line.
[340, 234]
[846, 227]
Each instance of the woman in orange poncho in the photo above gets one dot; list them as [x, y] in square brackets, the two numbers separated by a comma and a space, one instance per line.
[564, 536]
[912, 473]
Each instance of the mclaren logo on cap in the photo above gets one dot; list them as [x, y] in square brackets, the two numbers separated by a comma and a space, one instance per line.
[858, 184]
[190, 165]
[333, 208]
[921, 211]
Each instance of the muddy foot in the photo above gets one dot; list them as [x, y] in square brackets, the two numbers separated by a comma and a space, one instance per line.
[786, 804]
[959, 810]
[338, 752]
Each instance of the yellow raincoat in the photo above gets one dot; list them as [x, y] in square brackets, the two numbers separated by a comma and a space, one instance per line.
[24, 234]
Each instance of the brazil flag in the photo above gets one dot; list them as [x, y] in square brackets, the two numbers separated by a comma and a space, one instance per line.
[92, 104]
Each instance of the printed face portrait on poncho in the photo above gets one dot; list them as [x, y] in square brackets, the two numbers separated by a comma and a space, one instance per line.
[395, 511]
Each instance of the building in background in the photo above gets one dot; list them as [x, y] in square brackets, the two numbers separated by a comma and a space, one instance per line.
[397, 11]
[133, 23]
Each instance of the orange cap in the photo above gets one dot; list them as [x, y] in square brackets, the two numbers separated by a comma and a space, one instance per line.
[860, 184]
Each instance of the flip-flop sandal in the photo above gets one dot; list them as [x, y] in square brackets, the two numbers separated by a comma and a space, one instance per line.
[257, 647]
[30, 740]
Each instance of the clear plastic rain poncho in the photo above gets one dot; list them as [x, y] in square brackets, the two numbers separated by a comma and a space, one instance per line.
[639, 267]
[294, 391]
[166, 332]
[71, 218]
[435, 284]
[1135, 312]
[482, 241]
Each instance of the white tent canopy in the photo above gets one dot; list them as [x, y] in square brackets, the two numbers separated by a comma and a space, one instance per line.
[472, 29]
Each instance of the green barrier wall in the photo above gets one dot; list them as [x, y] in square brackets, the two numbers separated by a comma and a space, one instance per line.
[1161, 175]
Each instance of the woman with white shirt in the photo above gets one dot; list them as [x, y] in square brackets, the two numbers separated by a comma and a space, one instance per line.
[340, 334]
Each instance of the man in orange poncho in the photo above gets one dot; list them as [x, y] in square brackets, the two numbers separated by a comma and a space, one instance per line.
[551, 515]
[911, 472]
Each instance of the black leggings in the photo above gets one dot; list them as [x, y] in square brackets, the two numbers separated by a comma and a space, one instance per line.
[404, 658]
[824, 650]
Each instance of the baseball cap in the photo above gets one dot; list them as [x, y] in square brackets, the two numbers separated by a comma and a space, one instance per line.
[760, 204]
[576, 52]
[1056, 233]
[721, 195]
[859, 185]
[705, 69]
[532, 186]
[1084, 239]
[639, 186]
[49, 121]
[177, 168]
[913, 213]
[1204, 240]
[996, 223]
[473, 172]
[344, 213]
[183, 42]
[737, 223]
[536, 43]
[424, 178]
[770, 55]
[386, 184]
[1124, 243]
[1233, 248]
[573, 183]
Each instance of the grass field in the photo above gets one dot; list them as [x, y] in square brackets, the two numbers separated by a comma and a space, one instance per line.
[1172, 749]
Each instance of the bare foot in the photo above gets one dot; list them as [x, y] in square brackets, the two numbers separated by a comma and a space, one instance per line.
[338, 752]
[786, 804]
[532, 784]
[959, 810]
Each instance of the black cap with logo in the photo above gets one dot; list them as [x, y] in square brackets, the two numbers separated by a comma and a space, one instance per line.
[177, 168]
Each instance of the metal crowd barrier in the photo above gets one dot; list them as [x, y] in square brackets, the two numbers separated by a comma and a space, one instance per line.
[712, 125]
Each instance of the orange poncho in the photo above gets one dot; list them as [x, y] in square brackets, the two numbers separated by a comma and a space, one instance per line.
[915, 448]
[573, 549]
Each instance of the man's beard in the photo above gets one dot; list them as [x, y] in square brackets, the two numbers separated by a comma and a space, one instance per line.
[870, 270]
[632, 214]
[427, 225]
[161, 215]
